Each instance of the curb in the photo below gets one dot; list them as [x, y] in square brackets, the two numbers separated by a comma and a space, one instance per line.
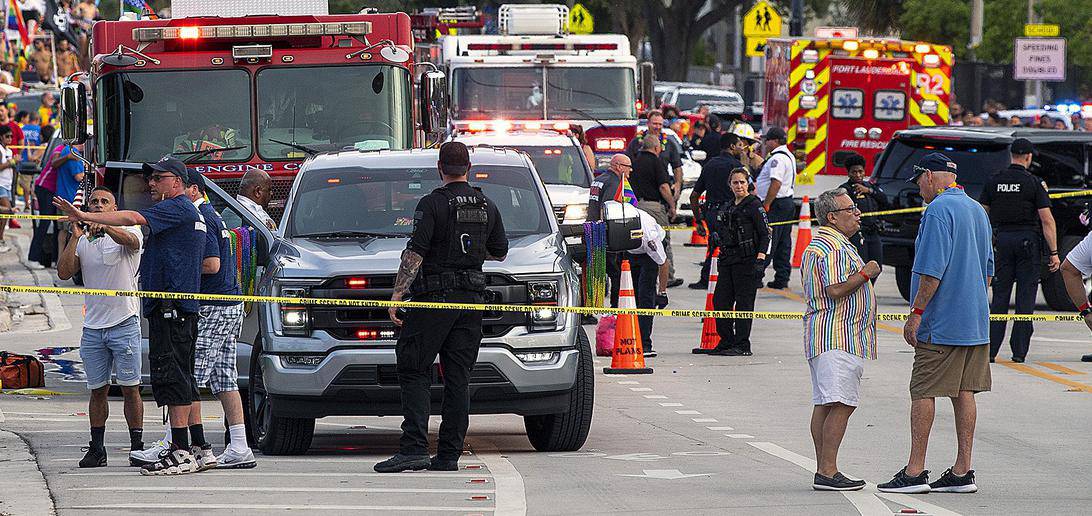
[24, 486]
[55, 314]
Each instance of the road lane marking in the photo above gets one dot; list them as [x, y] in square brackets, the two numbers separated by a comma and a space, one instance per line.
[1060, 368]
[655, 397]
[671, 404]
[867, 503]
[909, 501]
[688, 412]
[704, 420]
[641, 389]
[666, 474]
[720, 428]
[202, 507]
[782, 453]
[222, 489]
[1024, 368]
[629, 382]
[511, 494]
[740, 436]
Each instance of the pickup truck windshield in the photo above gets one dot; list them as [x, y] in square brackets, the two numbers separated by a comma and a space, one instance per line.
[357, 201]
[543, 93]
[558, 165]
[145, 115]
[332, 107]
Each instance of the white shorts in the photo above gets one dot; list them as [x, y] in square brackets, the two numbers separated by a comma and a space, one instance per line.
[836, 378]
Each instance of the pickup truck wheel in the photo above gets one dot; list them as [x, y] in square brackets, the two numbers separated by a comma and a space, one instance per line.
[274, 435]
[569, 430]
[1053, 285]
[902, 278]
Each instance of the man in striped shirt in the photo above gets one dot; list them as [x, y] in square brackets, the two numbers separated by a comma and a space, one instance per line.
[839, 329]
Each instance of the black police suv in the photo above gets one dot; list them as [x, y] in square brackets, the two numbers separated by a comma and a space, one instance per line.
[1062, 160]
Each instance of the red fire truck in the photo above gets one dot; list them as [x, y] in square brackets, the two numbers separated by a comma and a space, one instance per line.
[230, 90]
[837, 96]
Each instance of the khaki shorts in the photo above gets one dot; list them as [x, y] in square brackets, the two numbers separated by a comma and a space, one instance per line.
[26, 183]
[943, 371]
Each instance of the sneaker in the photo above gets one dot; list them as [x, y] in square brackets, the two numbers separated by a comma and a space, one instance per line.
[838, 482]
[726, 352]
[150, 455]
[233, 459]
[95, 457]
[4, 247]
[950, 483]
[438, 464]
[661, 300]
[674, 282]
[401, 462]
[903, 483]
[1018, 360]
[205, 458]
[777, 286]
[699, 285]
[1086, 358]
[174, 462]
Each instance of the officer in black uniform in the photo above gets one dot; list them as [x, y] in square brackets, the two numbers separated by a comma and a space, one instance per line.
[608, 187]
[456, 229]
[743, 237]
[869, 198]
[713, 182]
[1019, 208]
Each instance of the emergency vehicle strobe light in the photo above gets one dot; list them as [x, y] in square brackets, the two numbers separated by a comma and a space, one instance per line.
[252, 31]
[504, 47]
[931, 60]
[851, 45]
[609, 144]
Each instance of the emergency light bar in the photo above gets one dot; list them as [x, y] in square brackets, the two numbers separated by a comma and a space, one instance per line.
[502, 47]
[146, 34]
[503, 126]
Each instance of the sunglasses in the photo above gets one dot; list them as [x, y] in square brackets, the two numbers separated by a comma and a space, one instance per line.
[159, 177]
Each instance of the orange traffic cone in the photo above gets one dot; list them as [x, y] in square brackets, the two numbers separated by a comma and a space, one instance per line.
[696, 239]
[709, 336]
[803, 232]
[629, 354]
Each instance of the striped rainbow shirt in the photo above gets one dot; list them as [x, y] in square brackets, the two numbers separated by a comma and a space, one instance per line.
[848, 324]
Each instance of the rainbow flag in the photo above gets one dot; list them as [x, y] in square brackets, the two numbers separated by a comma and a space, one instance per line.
[15, 22]
[625, 193]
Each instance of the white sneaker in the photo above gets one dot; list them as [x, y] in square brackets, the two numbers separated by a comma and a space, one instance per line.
[205, 459]
[4, 247]
[149, 455]
[235, 459]
[175, 462]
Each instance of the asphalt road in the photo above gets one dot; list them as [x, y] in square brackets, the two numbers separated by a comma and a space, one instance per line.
[702, 435]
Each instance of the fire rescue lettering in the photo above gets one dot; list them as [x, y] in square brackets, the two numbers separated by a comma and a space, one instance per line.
[1014, 187]
[871, 70]
[864, 144]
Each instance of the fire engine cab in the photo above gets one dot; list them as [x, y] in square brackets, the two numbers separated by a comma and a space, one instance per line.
[534, 70]
[232, 86]
[838, 96]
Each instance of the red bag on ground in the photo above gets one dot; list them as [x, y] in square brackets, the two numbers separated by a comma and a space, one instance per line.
[604, 336]
[20, 371]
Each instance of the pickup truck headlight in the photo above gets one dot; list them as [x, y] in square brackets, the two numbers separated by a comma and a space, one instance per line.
[295, 319]
[544, 294]
[576, 213]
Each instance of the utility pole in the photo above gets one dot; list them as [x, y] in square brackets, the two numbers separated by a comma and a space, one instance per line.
[796, 24]
[1033, 90]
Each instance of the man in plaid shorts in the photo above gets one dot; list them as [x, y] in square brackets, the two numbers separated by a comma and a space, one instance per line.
[217, 330]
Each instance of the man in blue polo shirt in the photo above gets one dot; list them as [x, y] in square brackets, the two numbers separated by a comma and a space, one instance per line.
[169, 264]
[949, 322]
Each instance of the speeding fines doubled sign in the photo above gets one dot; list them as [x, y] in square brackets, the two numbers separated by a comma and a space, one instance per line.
[1039, 59]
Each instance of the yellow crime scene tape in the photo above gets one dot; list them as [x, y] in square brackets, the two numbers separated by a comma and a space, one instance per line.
[375, 303]
[900, 211]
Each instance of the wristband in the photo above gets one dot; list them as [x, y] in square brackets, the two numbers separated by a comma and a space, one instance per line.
[1054, 253]
[917, 311]
[1085, 309]
[865, 276]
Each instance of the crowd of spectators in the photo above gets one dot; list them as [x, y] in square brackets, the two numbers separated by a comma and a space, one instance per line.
[996, 114]
[42, 56]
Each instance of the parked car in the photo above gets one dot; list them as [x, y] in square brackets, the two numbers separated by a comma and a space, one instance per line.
[1062, 161]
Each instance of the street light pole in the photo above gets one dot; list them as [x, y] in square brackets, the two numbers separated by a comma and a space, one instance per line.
[796, 25]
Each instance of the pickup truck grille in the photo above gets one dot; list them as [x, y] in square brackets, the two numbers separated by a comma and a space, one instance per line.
[559, 213]
[387, 375]
[343, 322]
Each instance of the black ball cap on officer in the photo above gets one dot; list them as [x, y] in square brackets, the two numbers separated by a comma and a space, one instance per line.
[456, 228]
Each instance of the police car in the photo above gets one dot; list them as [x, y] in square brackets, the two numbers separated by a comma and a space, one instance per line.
[346, 224]
[559, 160]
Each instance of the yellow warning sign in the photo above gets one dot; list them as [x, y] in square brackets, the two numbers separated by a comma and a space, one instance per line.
[580, 20]
[756, 47]
[1042, 30]
[762, 21]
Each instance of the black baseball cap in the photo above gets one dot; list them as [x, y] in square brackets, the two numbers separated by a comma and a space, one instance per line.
[1022, 146]
[776, 133]
[934, 162]
[170, 165]
[455, 154]
[193, 177]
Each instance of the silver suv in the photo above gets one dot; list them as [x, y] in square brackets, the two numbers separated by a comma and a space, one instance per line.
[346, 223]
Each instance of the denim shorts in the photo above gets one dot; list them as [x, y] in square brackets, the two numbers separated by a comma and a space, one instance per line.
[5, 193]
[115, 349]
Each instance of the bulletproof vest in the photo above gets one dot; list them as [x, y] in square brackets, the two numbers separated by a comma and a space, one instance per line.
[1013, 204]
[736, 231]
[469, 216]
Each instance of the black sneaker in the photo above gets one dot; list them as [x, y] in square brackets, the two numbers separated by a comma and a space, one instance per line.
[95, 457]
[699, 285]
[777, 286]
[400, 463]
[438, 464]
[1018, 360]
[1086, 358]
[950, 483]
[672, 283]
[661, 300]
[838, 482]
[903, 483]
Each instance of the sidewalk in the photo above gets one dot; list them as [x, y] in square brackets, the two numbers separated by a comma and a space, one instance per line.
[23, 489]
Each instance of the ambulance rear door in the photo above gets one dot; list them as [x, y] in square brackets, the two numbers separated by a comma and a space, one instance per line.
[868, 103]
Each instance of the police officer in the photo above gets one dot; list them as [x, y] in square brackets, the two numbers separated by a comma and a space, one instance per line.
[456, 229]
[1019, 208]
[868, 197]
[775, 187]
[608, 186]
[713, 182]
[743, 236]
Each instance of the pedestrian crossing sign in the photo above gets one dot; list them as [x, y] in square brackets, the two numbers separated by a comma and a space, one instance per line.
[762, 21]
[580, 20]
[756, 47]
